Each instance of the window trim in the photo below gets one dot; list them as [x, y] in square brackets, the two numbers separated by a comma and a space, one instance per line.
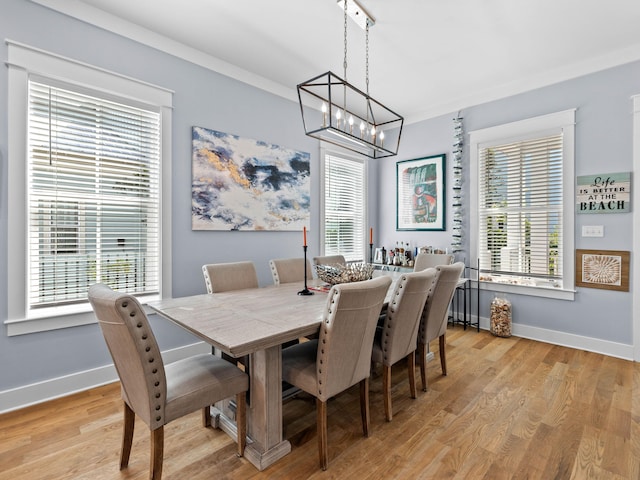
[520, 130]
[25, 62]
[338, 152]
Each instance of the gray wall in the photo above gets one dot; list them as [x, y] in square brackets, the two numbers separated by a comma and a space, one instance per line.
[207, 99]
[201, 98]
[604, 144]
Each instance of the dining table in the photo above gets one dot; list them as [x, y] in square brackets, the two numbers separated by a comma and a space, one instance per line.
[255, 322]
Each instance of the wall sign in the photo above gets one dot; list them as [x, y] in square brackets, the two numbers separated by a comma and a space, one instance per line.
[604, 193]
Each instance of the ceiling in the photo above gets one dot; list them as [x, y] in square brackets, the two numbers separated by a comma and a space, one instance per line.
[426, 57]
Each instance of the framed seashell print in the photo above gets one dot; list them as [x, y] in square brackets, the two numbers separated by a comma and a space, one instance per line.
[607, 269]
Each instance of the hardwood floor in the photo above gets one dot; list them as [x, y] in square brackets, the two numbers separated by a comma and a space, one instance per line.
[509, 408]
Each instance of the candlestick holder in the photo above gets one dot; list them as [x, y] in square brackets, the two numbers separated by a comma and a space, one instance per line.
[371, 253]
[305, 291]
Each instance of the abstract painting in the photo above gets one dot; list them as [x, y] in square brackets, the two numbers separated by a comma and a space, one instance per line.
[244, 184]
[420, 187]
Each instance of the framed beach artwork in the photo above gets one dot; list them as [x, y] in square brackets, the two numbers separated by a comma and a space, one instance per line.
[244, 184]
[606, 269]
[420, 191]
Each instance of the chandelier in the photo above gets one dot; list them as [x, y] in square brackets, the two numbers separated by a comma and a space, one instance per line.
[336, 112]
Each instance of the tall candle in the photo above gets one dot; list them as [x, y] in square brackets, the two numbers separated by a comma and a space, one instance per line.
[371, 236]
[304, 236]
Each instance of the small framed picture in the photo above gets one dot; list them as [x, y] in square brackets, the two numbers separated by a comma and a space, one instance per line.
[378, 256]
[420, 193]
[607, 269]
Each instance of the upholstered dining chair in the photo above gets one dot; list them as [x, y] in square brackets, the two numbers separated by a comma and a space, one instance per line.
[435, 316]
[225, 277]
[431, 260]
[288, 270]
[397, 338]
[158, 393]
[329, 260]
[341, 356]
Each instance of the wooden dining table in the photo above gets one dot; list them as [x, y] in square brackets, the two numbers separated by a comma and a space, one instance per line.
[254, 322]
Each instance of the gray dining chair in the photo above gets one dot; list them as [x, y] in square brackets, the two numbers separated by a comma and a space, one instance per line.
[431, 260]
[225, 277]
[329, 260]
[341, 356]
[288, 270]
[397, 338]
[436, 315]
[158, 393]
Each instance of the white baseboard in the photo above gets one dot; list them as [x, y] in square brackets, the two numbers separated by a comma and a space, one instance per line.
[590, 344]
[35, 393]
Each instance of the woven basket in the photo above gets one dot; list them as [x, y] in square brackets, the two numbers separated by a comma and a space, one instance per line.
[353, 272]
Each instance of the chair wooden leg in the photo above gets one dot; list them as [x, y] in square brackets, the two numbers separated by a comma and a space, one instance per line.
[443, 354]
[321, 409]
[157, 451]
[411, 368]
[206, 417]
[364, 406]
[386, 392]
[241, 421]
[422, 359]
[127, 435]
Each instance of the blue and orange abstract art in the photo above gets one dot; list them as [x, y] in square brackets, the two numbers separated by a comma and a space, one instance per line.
[244, 184]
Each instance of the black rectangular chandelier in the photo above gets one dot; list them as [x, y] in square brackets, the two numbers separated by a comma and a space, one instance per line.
[336, 112]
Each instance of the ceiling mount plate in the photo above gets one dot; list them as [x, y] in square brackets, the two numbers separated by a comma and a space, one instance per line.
[357, 13]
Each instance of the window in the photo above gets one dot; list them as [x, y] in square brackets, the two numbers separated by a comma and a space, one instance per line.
[91, 158]
[344, 207]
[524, 171]
[93, 199]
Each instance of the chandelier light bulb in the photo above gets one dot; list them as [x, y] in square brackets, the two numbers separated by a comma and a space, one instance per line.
[324, 114]
[351, 124]
[361, 129]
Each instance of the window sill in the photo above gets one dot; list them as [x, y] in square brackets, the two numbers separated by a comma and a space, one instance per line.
[48, 319]
[47, 323]
[554, 293]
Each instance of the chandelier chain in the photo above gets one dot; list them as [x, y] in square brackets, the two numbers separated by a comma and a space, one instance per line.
[344, 64]
[367, 58]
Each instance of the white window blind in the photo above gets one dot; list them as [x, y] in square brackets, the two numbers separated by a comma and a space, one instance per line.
[93, 196]
[344, 190]
[521, 211]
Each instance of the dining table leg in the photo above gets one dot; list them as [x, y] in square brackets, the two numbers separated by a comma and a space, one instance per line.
[264, 421]
[265, 444]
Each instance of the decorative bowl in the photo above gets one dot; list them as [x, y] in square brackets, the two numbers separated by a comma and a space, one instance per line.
[352, 272]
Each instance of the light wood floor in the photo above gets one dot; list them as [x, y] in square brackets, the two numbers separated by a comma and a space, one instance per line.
[509, 409]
